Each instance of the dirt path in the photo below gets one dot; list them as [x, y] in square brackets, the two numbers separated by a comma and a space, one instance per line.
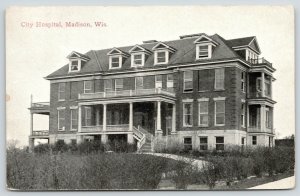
[195, 162]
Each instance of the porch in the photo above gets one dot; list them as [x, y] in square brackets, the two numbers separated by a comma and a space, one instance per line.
[260, 85]
[260, 118]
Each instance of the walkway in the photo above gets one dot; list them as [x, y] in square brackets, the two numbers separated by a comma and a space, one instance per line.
[286, 183]
[195, 162]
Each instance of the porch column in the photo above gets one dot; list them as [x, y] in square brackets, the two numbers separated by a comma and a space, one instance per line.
[104, 138]
[31, 123]
[104, 117]
[158, 118]
[31, 144]
[79, 118]
[262, 84]
[97, 116]
[248, 116]
[262, 117]
[130, 116]
[173, 119]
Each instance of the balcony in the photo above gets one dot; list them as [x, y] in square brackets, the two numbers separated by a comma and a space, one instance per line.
[40, 108]
[260, 61]
[109, 128]
[40, 134]
[128, 93]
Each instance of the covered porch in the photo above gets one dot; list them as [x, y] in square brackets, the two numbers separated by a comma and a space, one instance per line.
[260, 118]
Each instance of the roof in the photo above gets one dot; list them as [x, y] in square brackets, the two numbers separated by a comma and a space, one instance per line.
[184, 53]
[245, 41]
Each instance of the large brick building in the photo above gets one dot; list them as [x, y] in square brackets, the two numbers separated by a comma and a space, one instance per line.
[201, 92]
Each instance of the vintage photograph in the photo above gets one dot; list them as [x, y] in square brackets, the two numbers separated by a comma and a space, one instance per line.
[150, 98]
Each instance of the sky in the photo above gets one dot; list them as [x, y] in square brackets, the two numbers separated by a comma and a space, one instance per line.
[33, 53]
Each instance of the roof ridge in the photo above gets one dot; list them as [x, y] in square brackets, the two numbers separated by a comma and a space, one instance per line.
[225, 43]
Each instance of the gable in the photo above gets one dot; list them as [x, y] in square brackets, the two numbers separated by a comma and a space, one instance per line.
[205, 39]
[114, 51]
[254, 45]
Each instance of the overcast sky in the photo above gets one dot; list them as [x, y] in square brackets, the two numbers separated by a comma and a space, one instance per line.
[33, 53]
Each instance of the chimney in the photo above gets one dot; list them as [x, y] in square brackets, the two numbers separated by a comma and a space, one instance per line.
[150, 41]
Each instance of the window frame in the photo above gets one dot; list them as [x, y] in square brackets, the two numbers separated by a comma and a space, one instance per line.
[86, 114]
[111, 61]
[203, 144]
[166, 61]
[185, 80]
[190, 146]
[254, 141]
[170, 83]
[142, 82]
[224, 113]
[74, 119]
[208, 50]
[219, 78]
[85, 90]
[243, 81]
[59, 118]
[243, 115]
[71, 65]
[200, 113]
[191, 114]
[105, 88]
[133, 64]
[60, 91]
[158, 84]
[117, 86]
[222, 144]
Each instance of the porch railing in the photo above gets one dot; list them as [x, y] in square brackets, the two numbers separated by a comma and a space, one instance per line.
[99, 128]
[137, 92]
[40, 133]
[259, 61]
[140, 136]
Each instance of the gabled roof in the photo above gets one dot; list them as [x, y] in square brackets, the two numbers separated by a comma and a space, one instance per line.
[75, 54]
[138, 48]
[250, 42]
[116, 51]
[205, 39]
[161, 45]
[184, 53]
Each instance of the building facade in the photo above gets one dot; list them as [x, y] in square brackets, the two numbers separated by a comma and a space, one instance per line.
[199, 92]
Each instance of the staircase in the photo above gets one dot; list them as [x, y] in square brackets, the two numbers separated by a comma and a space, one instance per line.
[144, 139]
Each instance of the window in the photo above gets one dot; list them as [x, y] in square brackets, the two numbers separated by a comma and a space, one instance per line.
[73, 142]
[188, 81]
[88, 116]
[158, 81]
[203, 51]
[270, 141]
[203, 113]
[243, 115]
[268, 86]
[74, 119]
[119, 84]
[115, 62]
[243, 141]
[139, 83]
[87, 86]
[161, 57]
[254, 140]
[204, 80]
[61, 119]
[219, 79]
[219, 143]
[108, 85]
[220, 113]
[203, 143]
[187, 142]
[137, 60]
[170, 82]
[268, 118]
[61, 91]
[74, 65]
[187, 114]
[243, 82]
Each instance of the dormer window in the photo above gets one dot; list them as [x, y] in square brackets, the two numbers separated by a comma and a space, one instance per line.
[138, 56]
[74, 65]
[138, 59]
[76, 61]
[161, 57]
[116, 58]
[162, 53]
[204, 45]
[115, 62]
